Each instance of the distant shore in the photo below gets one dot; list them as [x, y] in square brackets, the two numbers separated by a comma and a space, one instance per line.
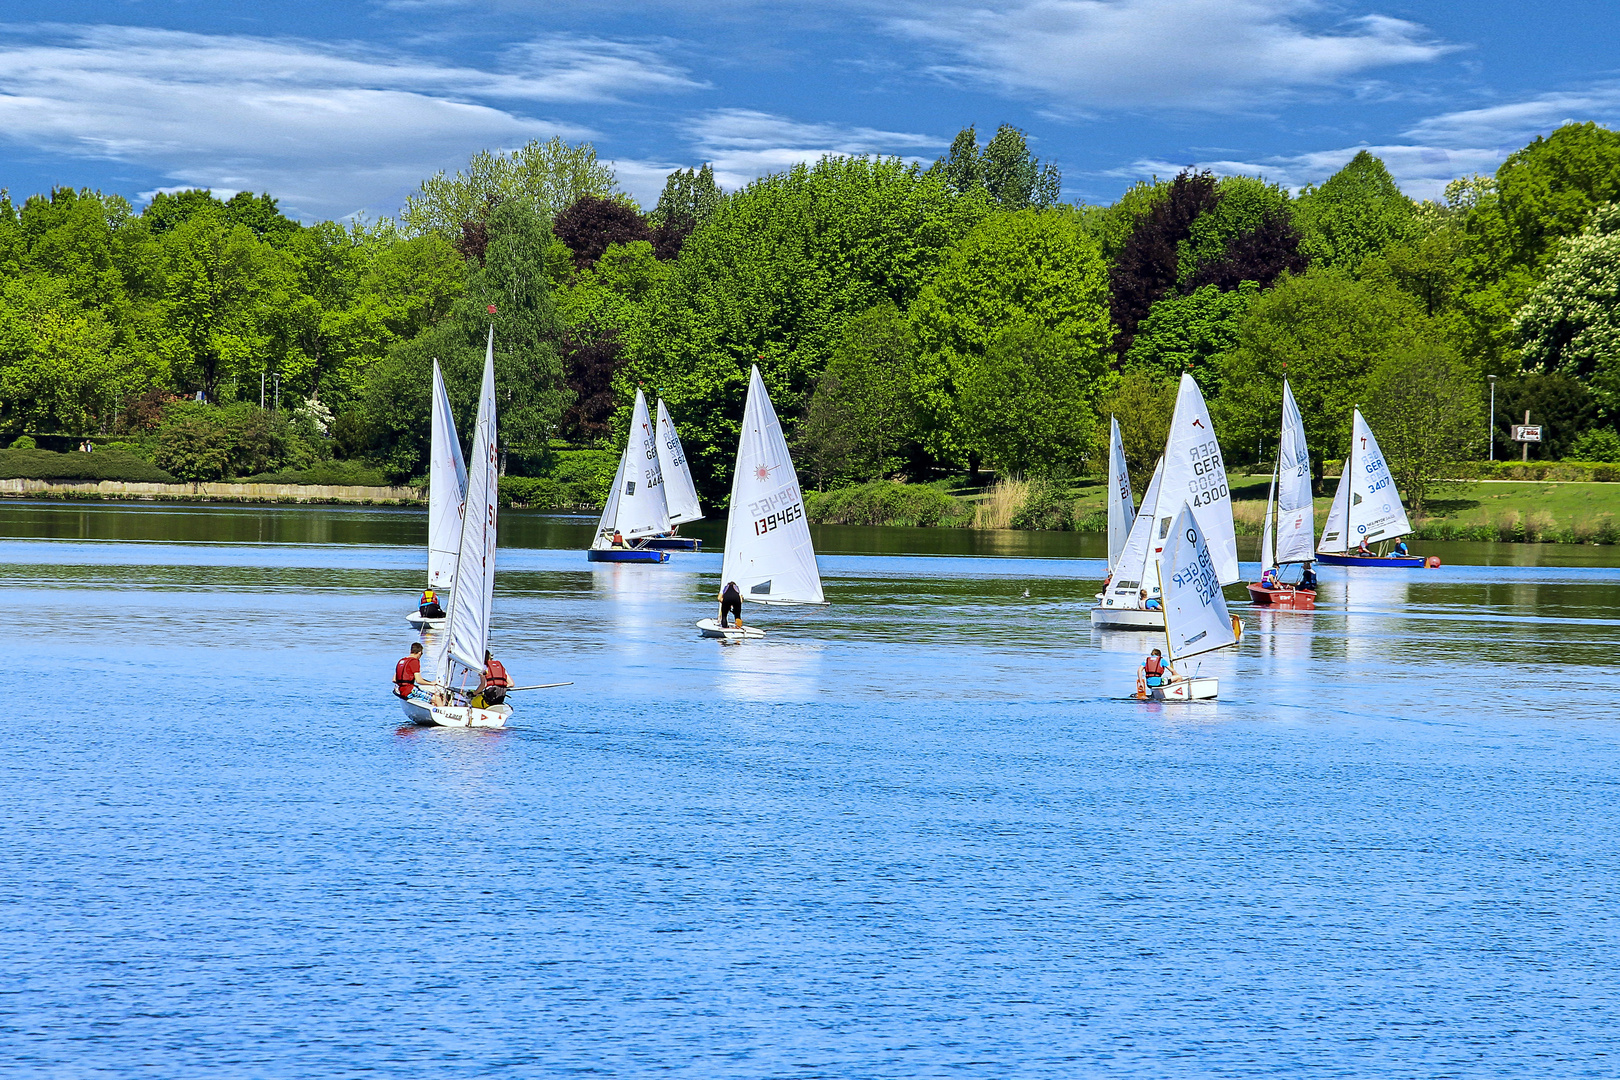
[110, 490]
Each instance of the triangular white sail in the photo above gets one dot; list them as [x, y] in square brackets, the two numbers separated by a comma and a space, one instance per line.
[1372, 509]
[460, 655]
[610, 508]
[640, 488]
[768, 550]
[1195, 616]
[1296, 512]
[1267, 559]
[1138, 546]
[680, 494]
[1121, 510]
[1195, 473]
[447, 488]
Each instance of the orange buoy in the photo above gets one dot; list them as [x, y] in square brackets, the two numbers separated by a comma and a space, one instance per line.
[1432, 562]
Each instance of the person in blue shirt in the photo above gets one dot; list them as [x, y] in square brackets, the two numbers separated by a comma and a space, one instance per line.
[1150, 603]
[1268, 580]
[1400, 551]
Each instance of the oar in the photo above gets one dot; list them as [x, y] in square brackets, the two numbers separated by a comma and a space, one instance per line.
[537, 686]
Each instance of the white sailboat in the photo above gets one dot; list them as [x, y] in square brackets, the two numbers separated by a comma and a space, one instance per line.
[1192, 471]
[1366, 506]
[447, 488]
[680, 494]
[456, 660]
[1121, 508]
[768, 549]
[1195, 617]
[635, 507]
[1290, 524]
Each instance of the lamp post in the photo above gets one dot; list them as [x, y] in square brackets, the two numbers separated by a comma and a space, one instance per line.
[1490, 429]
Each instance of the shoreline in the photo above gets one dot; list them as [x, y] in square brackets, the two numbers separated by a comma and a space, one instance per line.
[139, 491]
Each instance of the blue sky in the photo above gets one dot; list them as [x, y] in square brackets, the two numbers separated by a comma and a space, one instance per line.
[342, 108]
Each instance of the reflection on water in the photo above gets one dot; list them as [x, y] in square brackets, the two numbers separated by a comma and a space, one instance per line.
[913, 833]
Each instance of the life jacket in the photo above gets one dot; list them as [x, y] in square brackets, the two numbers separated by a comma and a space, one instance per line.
[496, 675]
[405, 675]
[1153, 666]
[429, 596]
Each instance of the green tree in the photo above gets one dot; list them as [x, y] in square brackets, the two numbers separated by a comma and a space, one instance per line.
[60, 366]
[1005, 170]
[1356, 213]
[1186, 333]
[1246, 204]
[861, 417]
[771, 278]
[1030, 268]
[689, 195]
[1425, 405]
[1111, 226]
[1142, 401]
[1026, 407]
[548, 176]
[1324, 330]
[1571, 320]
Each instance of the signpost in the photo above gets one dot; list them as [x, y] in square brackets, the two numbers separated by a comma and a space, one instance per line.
[1526, 433]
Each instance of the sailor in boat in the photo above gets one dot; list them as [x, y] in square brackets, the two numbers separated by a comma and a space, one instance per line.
[1153, 669]
[1268, 579]
[1400, 551]
[1307, 578]
[1150, 603]
[406, 671]
[492, 683]
[730, 603]
[429, 607]
[1363, 550]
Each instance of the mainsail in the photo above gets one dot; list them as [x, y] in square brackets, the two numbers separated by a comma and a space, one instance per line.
[1366, 505]
[768, 550]
[459, 654]
[1195, 474]
[639, 488]
[680, 494]
[1296, 512]
[1267, 553]
[447, 488]
[1195, 616]
[1133, 557]
[1121, 510]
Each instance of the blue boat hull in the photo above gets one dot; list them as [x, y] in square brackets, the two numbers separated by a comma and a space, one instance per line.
[674, 543]
[635, 555]
[1393, 562]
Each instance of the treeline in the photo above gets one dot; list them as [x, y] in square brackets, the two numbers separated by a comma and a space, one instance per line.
[909, 321]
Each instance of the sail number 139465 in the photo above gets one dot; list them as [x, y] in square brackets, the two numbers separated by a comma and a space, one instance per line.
[775, 521]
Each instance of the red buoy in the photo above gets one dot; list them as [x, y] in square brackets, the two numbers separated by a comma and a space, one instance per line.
[1432, 562]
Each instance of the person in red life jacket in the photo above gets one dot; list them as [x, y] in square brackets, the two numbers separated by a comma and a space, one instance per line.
[1363, 550]
[1153, 669]
[618, 538]
[492, 683]
[406, 670]
[430, 608]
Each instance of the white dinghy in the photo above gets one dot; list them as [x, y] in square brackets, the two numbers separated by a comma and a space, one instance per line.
[447, 489]
[635, 508]
[768, 549]
[680, 494]
[457, 658]
[1193, 472]
[1366, 506]
[1290, 517]
[1195, 617]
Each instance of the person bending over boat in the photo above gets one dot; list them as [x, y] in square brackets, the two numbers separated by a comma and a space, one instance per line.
[1150, 603]
[406, 670]
[730, 603]
[429, 608]
[492, 683]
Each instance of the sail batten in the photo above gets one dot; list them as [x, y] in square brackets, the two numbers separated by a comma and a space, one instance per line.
[680, 494]
[768, 550]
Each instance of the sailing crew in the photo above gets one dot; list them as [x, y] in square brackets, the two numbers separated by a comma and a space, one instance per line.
[1150, 603]
[1363, 550]
[492, 683]
[1400, 551]
[1153, 668]
[429, 607]
[406, 670]
[1307, 580]
[1268, 580]
[618, 539]
[730, 602]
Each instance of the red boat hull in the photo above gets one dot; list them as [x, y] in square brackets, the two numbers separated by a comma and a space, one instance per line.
[1296, 599]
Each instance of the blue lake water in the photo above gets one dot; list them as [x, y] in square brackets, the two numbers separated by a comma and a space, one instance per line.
[912, 834]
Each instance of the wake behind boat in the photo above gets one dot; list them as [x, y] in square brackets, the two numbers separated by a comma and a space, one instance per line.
[769, 557]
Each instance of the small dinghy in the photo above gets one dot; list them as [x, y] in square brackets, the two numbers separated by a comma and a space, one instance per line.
[1285, 564]
[1192, 471]
[447, 487]
[635, 508]
[1366, 506]
[1195, 617]
[457, 659]
[768, 550]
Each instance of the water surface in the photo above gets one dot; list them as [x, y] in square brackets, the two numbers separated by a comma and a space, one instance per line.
[911, 834]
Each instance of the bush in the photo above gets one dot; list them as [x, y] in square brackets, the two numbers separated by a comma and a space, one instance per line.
[583, 476]
[23, 464]
[219, 442]
[884, 502]
[325, 474]
[1047, 506]
[24, 442]
[534, 492]
[1597, 444]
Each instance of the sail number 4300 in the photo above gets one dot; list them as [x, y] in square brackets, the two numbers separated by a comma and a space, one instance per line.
[781, 517]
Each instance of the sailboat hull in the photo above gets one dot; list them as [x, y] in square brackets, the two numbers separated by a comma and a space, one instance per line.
[1393, 562]
[1285, 597]
[419, 622]
[710, 628]
[623, 555]
[1195, 689]
[675, 543]
[423, 714]
[1123, 618]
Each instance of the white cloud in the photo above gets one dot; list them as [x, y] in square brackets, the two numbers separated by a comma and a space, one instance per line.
[743, 144]
[329, 129]
[1512, 124]
[1211, 55]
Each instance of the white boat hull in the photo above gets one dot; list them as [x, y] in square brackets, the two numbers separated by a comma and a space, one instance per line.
[1194, 689]
[1124, 618]
[713, 629]
[465, 716]
[419, 622]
